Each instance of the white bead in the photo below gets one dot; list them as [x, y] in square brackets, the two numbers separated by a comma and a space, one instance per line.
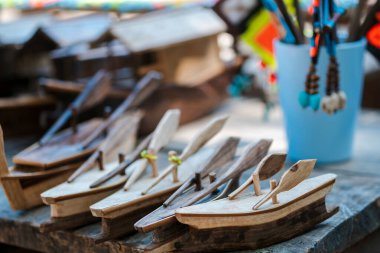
[342, 100]
[327, 104]
[334, 101]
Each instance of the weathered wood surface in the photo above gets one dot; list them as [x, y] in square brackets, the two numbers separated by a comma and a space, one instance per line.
[357, 191]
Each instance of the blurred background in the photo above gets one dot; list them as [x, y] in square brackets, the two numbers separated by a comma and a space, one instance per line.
[207, 50]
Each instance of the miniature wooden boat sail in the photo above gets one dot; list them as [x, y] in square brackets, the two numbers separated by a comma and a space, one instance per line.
[69, 202]
[206, 181]
[23, 185]
[122, 209]
[72, 145]
[231, 224]
[74, 198]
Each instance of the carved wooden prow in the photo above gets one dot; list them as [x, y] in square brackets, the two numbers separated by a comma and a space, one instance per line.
[3, 158]
[268, 167]
[94, 92]
[162, 135]
[291, 178]
[199, 140]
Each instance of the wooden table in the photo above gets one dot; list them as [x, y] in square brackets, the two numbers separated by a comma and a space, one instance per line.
[357, 192]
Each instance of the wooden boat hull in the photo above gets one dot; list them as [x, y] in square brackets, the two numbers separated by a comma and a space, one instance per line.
[23, 189]
[228, 227]
[242, 238]
[207, 217]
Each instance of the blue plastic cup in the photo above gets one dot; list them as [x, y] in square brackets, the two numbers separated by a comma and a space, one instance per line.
[328, 138]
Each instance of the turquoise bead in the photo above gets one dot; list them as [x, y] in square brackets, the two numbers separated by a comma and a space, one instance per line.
[315, 101]
[234, 91]
[304, 99]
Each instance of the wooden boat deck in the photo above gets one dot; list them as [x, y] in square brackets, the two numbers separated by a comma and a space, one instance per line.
[357, 190]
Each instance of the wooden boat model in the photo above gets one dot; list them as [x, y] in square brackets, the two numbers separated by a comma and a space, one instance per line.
[122, 209]
[166, 229]
[24, 183]
[205, 183]
[291, 207]
[70, 201]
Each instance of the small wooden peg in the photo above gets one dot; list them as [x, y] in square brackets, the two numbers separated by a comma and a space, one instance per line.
[172, 154]
[212, 177]
[100, 160]
[273, 184]
[256, 184]
[198, 181]
[153, 163]
[121, 157]
[74, 119]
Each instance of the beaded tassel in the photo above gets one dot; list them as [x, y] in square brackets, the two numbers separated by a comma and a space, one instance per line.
[310, 96]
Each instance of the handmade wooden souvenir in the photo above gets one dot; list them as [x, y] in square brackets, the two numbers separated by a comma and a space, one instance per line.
[122, 209]
[73, 198]
[23, 185]
[205, 182]
[289, 208]
[69, 202]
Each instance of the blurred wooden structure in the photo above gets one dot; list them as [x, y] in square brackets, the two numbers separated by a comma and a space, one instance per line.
[174, 42]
